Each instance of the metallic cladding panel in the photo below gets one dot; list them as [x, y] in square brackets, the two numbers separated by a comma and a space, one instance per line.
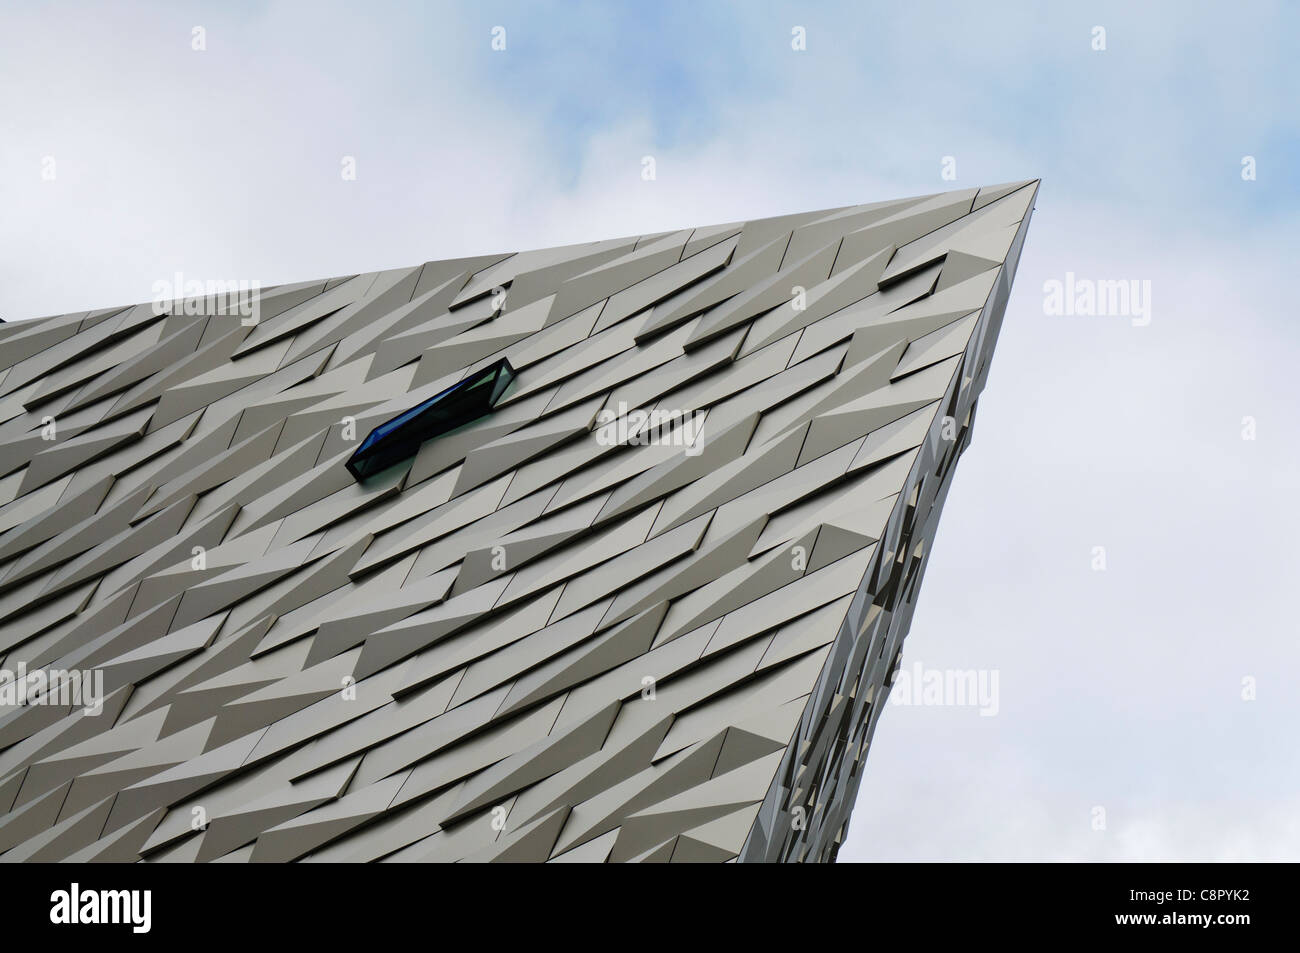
[646, 609]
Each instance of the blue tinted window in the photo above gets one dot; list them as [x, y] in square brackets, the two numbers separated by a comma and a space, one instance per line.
[465, 401]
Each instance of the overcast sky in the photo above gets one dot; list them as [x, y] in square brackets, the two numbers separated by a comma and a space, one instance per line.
[127, 155]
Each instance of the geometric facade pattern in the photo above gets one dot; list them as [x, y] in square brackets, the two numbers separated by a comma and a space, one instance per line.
[646, 608]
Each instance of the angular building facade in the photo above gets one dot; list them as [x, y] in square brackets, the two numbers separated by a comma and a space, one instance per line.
[595, 553]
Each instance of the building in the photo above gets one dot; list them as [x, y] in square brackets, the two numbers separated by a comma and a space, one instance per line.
[603, 552]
